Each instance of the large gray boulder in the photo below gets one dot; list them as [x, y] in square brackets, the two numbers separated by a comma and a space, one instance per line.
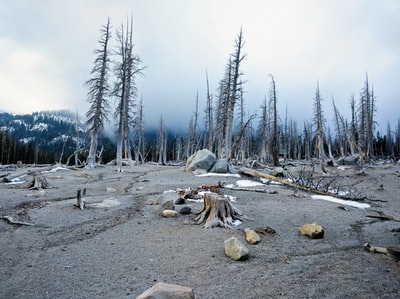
[201, 160]
[222, 166]
[349, 160]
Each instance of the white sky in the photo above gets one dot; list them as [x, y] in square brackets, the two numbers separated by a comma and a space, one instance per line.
[46, 53]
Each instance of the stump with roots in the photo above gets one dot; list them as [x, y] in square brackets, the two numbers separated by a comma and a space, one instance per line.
[217, 211]
[38, 182]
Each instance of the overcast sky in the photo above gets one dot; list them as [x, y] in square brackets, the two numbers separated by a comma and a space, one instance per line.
[46, 53]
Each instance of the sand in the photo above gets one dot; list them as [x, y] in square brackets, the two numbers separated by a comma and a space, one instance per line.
[118, 246]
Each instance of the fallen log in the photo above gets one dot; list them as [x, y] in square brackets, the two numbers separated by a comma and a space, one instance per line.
[383, 217]
[286, 182]
[217, 211]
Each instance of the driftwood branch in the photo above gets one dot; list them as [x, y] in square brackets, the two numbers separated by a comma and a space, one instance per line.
[11, 220]
[306, 185]
[393, 252]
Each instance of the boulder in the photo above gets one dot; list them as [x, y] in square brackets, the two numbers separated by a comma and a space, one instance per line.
[201, 160]
[167, 291]
[235, 249]
[251, 236]
[221, 166]
[349, 160]
[312, 230]
[277, 171]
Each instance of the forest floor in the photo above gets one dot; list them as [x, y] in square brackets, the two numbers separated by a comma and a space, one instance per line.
[118, 246]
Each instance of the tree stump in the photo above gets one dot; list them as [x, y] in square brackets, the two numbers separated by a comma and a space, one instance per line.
[38, 182]
[217, 211]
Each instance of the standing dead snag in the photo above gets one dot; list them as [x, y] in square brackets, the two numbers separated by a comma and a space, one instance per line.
[80, 200]
[217, 211]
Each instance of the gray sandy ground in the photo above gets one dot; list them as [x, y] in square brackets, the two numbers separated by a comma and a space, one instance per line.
[120, 251]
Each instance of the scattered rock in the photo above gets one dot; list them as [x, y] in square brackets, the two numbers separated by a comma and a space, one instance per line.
[277, 171]
[265, 230]
[168, 205]
[221, 166]
[313, 230]
[180, 201]
[167, 291]
[251, 236]
[201, 160]
[235, 249]
[185, 211]
[169, 213]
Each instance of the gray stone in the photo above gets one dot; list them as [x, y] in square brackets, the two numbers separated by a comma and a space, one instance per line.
[168, 205]
[185, 210]
[167, 291]
[202, 159]
[221, 166]
[180, 201]
[235, 249]
[349, 160]
[277, 171]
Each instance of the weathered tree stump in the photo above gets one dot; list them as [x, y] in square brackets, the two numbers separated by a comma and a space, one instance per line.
[217, 211]
[38, 182]
[81, 202]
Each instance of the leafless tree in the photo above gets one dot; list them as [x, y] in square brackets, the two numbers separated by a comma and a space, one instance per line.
[319, 128]
[274, 140]
[208, 123]
[229, 88]
[366, 112]
[139, 133]
[125, 89]
[161, 150]
[98, 91]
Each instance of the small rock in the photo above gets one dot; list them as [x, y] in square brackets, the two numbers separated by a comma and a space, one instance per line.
[235, 249]
[313, 230]
[168, 205]
[251, 236]
[278, 172]
[180, 201]
[111, 189]
[167, 291]
[169, 213]
[185, 211]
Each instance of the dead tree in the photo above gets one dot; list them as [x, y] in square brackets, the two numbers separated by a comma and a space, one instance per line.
[217, 211]
[229, 88]
[125, 90]
[319, 128]
[274, 145]
[97, 93]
